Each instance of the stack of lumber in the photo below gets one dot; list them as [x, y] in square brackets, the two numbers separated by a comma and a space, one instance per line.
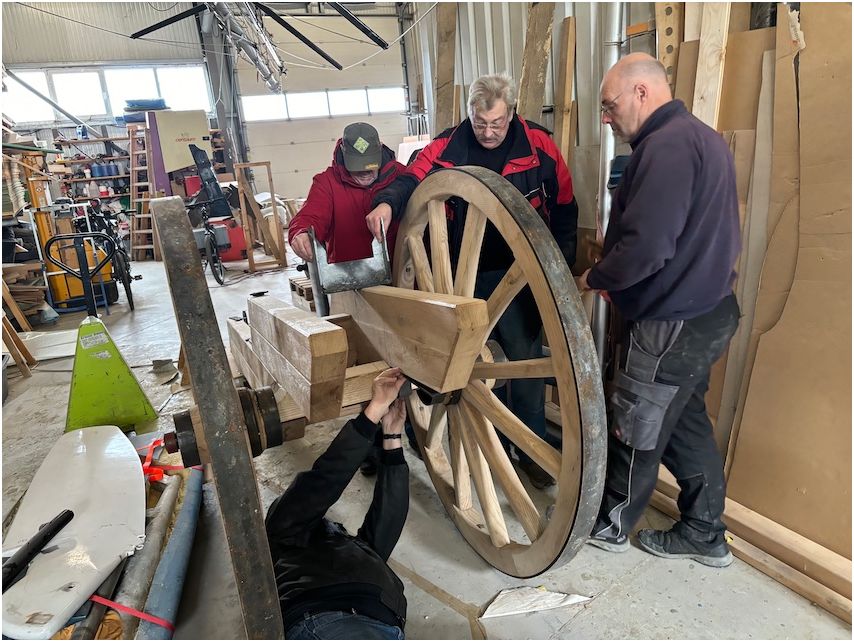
[302, 293]
[311, 363]
[25, 283]
[780, 398]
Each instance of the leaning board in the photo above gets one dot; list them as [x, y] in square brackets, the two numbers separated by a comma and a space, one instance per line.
[96, 473]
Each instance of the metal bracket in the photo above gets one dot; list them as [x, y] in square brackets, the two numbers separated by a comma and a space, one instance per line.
[351, 275]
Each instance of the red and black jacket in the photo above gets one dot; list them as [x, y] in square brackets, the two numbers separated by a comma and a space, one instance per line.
[534, 166]
[336, 207]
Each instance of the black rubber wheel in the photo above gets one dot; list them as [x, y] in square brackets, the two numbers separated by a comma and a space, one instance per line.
[217, 268]
[121, 269]
[111, 289]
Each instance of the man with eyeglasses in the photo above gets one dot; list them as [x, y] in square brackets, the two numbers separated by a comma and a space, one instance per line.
[672, 241]
[495, 137]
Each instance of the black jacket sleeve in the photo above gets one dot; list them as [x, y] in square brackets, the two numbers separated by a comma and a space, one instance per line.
[397, 194]
[295, 513]
[387, 514]
[564, 225]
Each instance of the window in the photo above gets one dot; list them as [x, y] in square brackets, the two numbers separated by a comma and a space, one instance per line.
[23, 106]
[129, 84]
[348, 101]
[308, 105]
[79, 92]
[184, 87]
[269, 107]
[387, 99]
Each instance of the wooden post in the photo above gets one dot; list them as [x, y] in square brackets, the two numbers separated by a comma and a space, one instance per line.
[669, 17]
[535, 60]
[563, 95]
[446, 43]
[9, 300]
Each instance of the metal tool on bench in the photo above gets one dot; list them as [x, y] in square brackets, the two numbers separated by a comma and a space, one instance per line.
[328, 278]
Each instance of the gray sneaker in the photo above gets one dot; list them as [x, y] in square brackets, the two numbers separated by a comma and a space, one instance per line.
[672, 545]
[611, 544]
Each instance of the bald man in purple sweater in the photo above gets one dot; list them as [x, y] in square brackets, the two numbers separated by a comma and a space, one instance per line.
[667, 265]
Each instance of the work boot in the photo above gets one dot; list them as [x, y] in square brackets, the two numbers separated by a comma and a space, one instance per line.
[619, 544]
[539, 478]
[673, 545]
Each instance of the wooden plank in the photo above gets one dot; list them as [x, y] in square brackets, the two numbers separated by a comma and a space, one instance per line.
[563, 92]
[743, 78]
[435, 337]
[535, 60]
[18, 342]
[710, 64]
[573, 136]
[11, 347]
[10, 302]
[315, 347]
[527, 369]
[358, 382]
[693, 20]
[446, 46]
[669, 18]
[686, 72]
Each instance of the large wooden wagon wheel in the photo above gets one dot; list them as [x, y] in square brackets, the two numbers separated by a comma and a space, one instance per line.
[521, 532]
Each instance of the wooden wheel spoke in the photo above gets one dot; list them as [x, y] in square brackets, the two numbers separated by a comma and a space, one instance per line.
[499, 463]
[439, 250]
[436, 428]
[485, 401]
[507, 289]
[524, 369]
[489, 503]
[470, 252]
[459, 464]
[422, 266]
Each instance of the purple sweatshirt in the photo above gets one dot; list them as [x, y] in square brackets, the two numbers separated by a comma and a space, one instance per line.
[673, 237]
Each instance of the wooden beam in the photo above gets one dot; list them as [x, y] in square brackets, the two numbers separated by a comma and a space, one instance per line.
[693, 20]
[446, 44]
[435, 337]
[315, 347]
[710, 63]
[535, 60]
[563, 92]
[527, 369]
[10, 302]
[669, 17]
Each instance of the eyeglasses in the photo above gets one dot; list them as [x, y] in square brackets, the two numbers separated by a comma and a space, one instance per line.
[496, 126]
[607, 108]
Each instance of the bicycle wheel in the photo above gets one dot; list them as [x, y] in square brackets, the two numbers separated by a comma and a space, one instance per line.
[121, 266]
[217, 268]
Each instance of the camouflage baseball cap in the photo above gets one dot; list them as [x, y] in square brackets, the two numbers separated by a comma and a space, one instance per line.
[362, 148]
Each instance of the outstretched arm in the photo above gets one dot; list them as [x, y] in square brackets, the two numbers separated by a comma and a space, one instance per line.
[387, 514]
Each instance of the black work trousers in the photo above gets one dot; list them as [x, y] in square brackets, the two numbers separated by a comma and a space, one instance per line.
[686, 444]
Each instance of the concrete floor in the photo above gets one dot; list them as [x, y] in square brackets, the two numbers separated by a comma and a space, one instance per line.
[635, 595]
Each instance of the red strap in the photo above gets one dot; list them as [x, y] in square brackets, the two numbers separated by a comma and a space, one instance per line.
[126, 609]
[152, 472]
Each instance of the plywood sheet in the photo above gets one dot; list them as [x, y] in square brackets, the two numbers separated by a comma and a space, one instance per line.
[686, 72]
[792, 462]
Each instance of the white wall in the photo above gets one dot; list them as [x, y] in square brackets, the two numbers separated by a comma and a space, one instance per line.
[31, 36]
[298, 149]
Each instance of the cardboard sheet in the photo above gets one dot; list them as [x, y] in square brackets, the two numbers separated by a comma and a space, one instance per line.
[792, 460]
[743, 78]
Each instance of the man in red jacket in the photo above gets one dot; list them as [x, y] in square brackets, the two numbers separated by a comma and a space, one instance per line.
[495, 137]
[337, 203]
[341, 196]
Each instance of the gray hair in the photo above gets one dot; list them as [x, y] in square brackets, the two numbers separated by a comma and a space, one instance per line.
[487, 90]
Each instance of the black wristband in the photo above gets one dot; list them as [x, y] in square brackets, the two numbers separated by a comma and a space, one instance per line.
[392, 436]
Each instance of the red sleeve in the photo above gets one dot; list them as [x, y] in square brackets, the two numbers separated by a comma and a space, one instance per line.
[424, 162]
[316, 212]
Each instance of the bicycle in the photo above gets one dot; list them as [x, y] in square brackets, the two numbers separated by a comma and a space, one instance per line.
[103, 223]
[206, 241]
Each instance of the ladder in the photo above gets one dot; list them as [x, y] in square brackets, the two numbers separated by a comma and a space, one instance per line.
[143, 236]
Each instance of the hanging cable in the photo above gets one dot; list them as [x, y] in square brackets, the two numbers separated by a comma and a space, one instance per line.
[393, 42]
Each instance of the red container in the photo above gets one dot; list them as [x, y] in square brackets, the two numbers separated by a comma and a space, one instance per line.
[237, 251]
[192, 184]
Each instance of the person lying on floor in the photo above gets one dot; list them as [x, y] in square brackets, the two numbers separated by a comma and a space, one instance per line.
[333, 585]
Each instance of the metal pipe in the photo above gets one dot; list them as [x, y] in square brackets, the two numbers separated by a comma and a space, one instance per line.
[168, 21]
[361, 26]
[14, 567]
[165, 594]
[239, 37]
[88, 628]
[136, 581]
[612, 22]
[52, 103]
